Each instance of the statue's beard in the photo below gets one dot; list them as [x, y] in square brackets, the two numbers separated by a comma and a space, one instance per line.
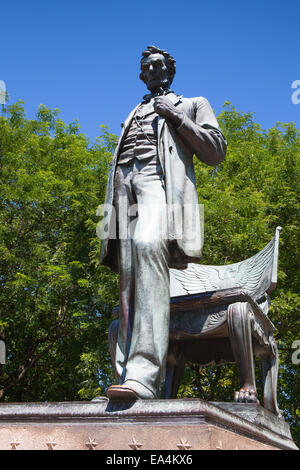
[155, 85]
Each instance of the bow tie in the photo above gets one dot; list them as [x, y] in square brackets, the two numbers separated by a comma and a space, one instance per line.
[147, 98]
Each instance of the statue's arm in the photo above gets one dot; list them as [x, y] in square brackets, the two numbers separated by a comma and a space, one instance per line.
[202, 134]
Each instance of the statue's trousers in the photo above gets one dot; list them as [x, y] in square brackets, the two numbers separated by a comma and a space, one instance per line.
[143, 332]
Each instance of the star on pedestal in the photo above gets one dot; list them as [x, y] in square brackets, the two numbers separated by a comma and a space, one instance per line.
[91, 444]
[51, 444]
[134, 444]
[184, 445]
[14, 444]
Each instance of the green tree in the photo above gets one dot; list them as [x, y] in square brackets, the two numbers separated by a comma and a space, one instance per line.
[55, 298]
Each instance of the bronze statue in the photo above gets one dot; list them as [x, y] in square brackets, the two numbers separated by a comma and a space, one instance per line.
[151, 221]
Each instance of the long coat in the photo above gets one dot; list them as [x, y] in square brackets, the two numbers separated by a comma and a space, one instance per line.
[198, 134]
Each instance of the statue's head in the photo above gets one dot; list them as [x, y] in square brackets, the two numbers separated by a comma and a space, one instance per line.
[157, 68]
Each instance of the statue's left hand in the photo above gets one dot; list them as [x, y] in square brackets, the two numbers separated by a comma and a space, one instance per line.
[165, 108]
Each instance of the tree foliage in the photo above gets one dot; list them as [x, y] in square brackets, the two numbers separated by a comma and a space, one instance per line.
[55, 298]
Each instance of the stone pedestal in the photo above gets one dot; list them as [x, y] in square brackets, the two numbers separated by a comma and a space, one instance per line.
[184, 424]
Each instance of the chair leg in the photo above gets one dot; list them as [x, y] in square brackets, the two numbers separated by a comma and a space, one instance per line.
[174, 371]
[270, 376]
[240, 336]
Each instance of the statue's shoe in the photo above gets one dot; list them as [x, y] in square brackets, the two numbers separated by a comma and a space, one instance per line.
[121, 393]
[129, 392]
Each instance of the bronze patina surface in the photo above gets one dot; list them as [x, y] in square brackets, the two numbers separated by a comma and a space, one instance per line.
[152, 220]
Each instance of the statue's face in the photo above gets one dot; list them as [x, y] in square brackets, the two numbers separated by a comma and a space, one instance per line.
[155, 72]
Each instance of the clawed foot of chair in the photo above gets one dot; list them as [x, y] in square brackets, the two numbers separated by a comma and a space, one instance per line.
[246, 395]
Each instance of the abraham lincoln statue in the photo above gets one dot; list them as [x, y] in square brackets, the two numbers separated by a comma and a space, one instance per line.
[152, 220]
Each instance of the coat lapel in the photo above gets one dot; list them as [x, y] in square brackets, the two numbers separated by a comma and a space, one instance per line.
[124, 130]
[176, 99]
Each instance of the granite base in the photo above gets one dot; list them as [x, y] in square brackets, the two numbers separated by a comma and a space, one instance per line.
[181, 424]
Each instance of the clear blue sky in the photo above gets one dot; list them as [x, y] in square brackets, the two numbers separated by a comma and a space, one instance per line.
[83, 56]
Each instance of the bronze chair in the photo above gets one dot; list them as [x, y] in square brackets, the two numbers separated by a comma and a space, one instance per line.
[219, 314]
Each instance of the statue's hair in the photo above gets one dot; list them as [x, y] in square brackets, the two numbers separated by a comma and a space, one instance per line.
[170, 61]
